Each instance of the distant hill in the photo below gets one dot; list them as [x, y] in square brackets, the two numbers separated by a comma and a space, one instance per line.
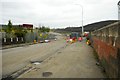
[89, 27]
[98, 25]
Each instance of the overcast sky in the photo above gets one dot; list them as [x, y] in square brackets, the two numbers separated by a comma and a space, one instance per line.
[57, 13]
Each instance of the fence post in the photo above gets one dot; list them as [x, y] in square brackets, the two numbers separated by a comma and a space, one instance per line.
[22, 39]
[4, 39]
[11, 39]
[17, 39]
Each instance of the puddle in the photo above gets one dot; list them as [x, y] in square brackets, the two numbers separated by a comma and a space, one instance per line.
[46, 74]
[36, 62]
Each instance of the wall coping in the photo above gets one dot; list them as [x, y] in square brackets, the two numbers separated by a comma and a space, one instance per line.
[110, 25]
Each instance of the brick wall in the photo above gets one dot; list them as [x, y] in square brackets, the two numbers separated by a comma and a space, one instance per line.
[106, 42]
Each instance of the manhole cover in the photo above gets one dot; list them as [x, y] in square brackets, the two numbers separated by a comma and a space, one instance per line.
[46, 74]
[36, 62]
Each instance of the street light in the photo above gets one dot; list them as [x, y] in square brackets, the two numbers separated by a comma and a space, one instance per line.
[82, 17]
[119, 10]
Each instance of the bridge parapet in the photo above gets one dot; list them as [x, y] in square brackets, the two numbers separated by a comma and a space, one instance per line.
[106, 42]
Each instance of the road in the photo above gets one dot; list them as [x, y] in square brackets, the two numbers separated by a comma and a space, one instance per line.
[17, 58]
[59, 57]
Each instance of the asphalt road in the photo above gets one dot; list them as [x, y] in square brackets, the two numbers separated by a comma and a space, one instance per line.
[73, 61]
[63, 60]
[14, 59]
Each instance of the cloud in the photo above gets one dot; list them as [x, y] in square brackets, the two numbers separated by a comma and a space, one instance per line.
[58, 13]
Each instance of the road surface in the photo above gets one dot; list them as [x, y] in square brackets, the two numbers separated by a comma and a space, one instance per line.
[63, 60]
[17, 58]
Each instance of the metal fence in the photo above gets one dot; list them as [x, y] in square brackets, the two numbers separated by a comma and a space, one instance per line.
[28, 38]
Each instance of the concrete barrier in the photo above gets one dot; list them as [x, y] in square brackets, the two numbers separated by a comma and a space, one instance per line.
[106, 42]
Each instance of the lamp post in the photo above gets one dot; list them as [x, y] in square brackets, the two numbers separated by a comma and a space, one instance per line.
[119, 10]
[82, 17]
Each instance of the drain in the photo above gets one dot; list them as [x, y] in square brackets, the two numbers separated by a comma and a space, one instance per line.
[36, 62]
[46, 74]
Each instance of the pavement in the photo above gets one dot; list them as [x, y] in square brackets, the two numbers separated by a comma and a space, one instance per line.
[73, 61]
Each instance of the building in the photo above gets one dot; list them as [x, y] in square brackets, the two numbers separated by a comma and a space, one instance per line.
[25, 26]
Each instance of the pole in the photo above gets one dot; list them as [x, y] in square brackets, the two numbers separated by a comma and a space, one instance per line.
[82, 17]
[82, 21]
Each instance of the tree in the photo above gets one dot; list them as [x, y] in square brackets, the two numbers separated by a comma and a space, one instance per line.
[20, 32]
[43, 29]
[9, 26]
[47, 29]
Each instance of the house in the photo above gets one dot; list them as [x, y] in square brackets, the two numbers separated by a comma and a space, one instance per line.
[27, 26]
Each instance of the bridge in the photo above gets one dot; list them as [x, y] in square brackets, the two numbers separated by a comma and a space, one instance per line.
[58, 59]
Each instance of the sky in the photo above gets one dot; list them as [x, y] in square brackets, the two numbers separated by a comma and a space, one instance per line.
[57, 13]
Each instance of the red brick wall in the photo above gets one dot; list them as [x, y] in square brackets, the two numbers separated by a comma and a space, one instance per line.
[104, 50]
[106, 42]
